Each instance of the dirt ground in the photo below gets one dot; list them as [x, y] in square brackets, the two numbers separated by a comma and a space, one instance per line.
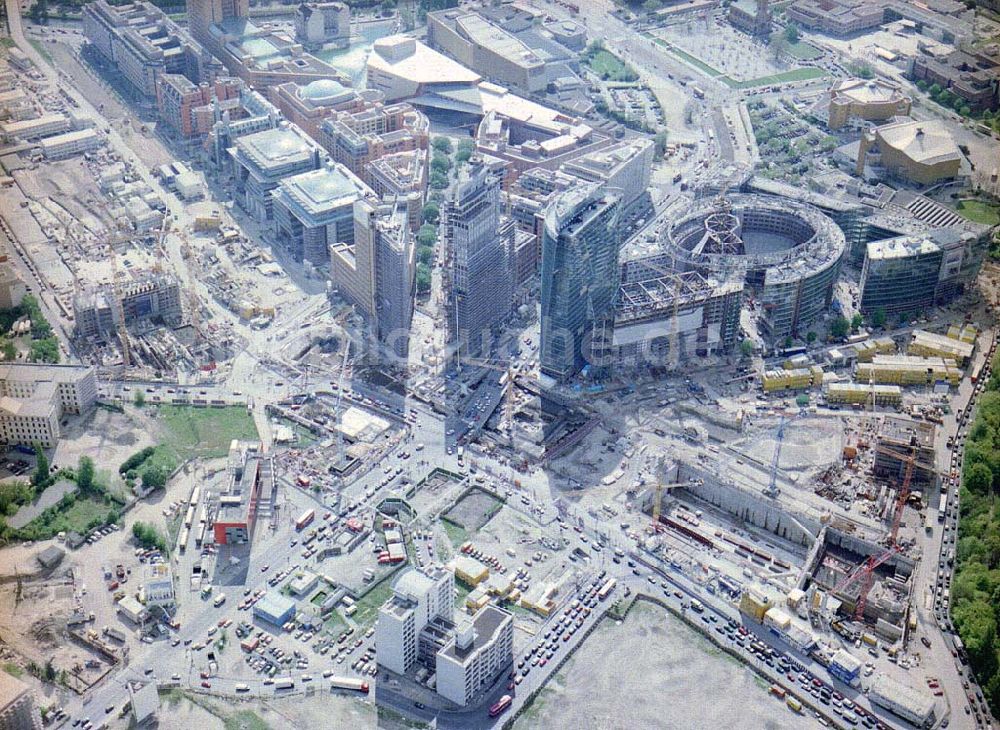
[655, 672]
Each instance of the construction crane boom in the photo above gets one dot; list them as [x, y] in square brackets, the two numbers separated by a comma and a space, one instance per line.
[772, 485]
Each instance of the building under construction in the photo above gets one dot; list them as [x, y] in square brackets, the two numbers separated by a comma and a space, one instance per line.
[662, 317]
[151, 299]
[787, 253]
[900, 439]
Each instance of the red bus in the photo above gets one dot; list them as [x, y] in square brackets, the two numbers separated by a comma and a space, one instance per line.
[502, 704]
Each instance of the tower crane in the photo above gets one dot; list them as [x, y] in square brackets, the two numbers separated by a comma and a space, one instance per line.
[772, 485]
[865, 573]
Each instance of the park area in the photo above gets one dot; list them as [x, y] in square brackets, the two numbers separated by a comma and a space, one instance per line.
[735, 59]
[607, 65]
[979, 211]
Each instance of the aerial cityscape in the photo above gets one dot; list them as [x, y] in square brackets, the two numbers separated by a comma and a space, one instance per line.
[521, 364]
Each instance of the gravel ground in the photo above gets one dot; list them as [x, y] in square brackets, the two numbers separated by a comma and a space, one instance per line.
[656, 672]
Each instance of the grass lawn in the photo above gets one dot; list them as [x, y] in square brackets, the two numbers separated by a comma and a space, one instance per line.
[609, 66]
[13, 670]
[979, 211]
[463, 591]
[42, 50]
[796, 74]
[334, 623]
[693, 60]
[246, 720]
[804, 51]
[75, 519]
[204, 432]
[456, 534]
[369, 604]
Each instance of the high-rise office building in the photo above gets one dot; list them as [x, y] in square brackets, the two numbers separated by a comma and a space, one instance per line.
[419, 596]
[395, 269]
[376, 272]
[477, 245]
[580, 277]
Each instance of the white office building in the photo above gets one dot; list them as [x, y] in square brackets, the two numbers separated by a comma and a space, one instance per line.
[419, 595]
[483, 647]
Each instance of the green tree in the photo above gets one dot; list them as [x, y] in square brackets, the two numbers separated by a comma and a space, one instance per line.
[7, 349]
[425, 255]
[792, 33]
[45, 350]
[878, 317]
[427, 235]
[934, 89]
[856, 321]
[85, 474]
[840, 327]
[747, 347]
[922, 84]
[41, 474]
[651, 6]
[810, 337]
[441, 163]
[789, 342]
[660, 141]
[442, 144]
[439, 180]
[979, 478]
[431, 213]
[778, 44]
[423, 278]
[140, 399]
[154, 476]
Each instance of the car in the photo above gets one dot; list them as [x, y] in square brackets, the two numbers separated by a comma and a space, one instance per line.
[420, 705]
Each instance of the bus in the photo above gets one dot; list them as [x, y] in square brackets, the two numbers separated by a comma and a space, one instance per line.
[194, 496]
[182, 539]
[977, 371]
[502, 704]
[284, 683]
[942, 507]
[351, 683]
[606, 589]
[305, 519]
[189, 517]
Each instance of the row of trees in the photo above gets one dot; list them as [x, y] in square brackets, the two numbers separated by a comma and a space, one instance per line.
[945, 97]
[975, 590]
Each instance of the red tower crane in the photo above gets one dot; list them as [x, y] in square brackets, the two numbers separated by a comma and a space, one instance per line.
[865, 573]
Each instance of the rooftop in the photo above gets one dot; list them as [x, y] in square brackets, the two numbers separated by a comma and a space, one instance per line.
[418, 62]
[867, 91]
[274, 147]
[322, 191]
[274, 604]
[901, 247]
[926, 142]
[325, 91]
[485, 623]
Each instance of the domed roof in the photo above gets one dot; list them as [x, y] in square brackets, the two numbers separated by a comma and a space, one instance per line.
[321, 90]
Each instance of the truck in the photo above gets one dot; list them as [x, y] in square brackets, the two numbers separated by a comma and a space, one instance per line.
[219, 600]
[305, 519]
[351, 683]
[500, 705]
[942, 507]
[284, 683]
[116, 634]
[696, 605]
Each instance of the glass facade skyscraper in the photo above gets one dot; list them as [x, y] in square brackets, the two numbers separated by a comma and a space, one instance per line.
[580, 277]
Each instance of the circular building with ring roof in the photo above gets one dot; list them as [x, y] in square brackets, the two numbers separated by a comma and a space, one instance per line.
[788, 254]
